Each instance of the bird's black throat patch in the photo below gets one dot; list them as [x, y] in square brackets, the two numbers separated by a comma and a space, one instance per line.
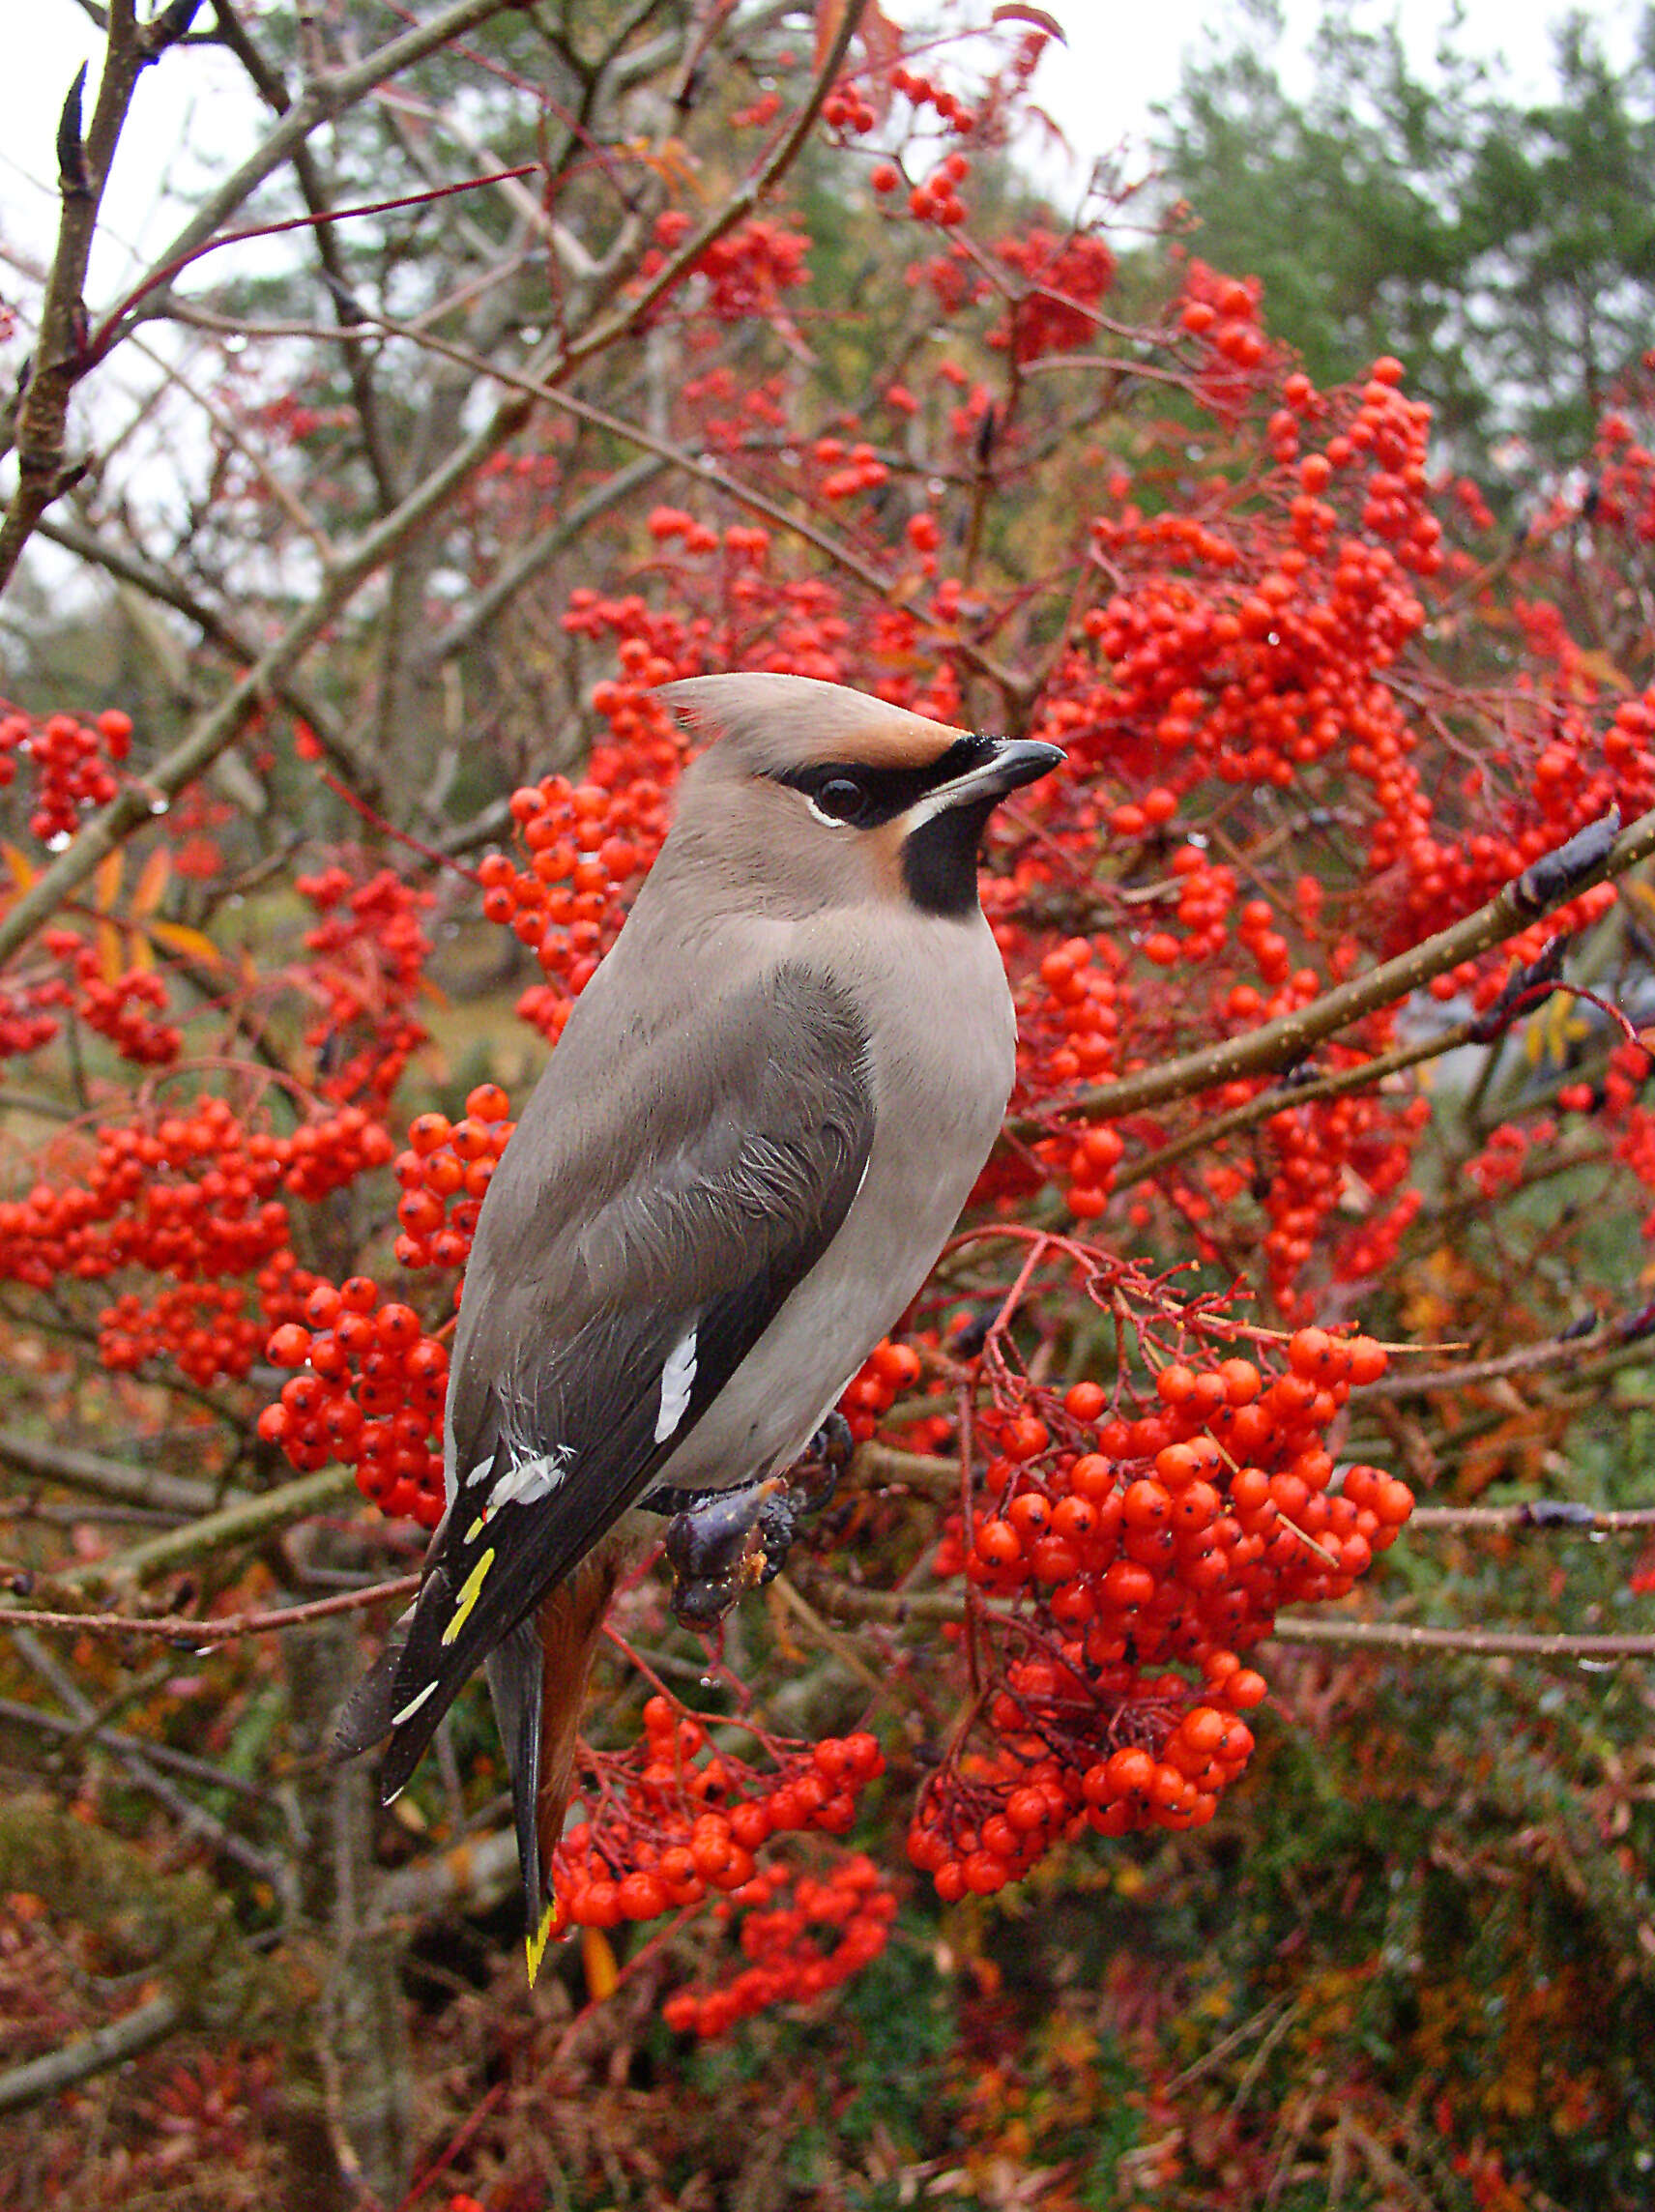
[940, 858]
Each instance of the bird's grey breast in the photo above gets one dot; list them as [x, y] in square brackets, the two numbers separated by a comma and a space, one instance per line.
[941, 1060]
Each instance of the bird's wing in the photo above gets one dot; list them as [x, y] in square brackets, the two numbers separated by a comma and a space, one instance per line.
[617, 1304]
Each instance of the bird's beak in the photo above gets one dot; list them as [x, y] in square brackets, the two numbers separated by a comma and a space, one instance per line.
[1013, 762]
[1001, 764]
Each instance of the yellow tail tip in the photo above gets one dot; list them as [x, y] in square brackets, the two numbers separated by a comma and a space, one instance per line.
[535, 1945]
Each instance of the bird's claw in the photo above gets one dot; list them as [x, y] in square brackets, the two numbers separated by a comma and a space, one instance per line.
[737, 1540]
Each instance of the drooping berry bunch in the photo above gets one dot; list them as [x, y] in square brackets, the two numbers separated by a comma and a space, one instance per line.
[124, 1007]
[366, 967]
[802, 1934]
[1124, 1556]
[587, 845]
[369, 1392]
[444, 1173]
[676, 1818]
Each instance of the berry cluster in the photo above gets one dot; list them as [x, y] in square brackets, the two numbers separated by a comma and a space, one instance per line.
[871, 1392]
[788, 1963]
[370, 1393]
[367, 963]
[986, 1820]
[587, 845]
[1499, 1165]
[745, 272]
[123, 1007]
[1119, 1550]
[204, 1329]
[676, 1818]
[24, 1023]
[444, 1173]
[193, 1194]
[846, 108]
[1067, 281]
[73, 764]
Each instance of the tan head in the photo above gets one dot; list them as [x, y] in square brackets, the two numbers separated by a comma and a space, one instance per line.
[819, 796]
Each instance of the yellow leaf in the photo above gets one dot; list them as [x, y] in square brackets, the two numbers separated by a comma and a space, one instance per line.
[177, 937]
[19, 866]
[671, 160]
[106, 880]
[151, 885]
[109, 958]
[140, 952]
[598, 1957]
[1550, 1033]
[1603, 669]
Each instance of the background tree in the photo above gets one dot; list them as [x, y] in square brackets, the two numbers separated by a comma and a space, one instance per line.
[1501, 249]
[616, 345]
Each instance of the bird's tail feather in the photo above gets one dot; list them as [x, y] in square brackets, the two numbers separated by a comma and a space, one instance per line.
[570, 1623]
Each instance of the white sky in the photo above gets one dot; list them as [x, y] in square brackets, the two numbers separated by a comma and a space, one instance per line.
[1122, 55]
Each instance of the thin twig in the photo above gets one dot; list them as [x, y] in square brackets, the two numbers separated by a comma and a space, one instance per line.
[199, 1635]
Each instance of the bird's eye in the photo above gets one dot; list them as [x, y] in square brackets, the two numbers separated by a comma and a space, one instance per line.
[842, 798]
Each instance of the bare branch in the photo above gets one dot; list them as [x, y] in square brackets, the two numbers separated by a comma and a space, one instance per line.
[242, 1523]
[1475, 1643]
[324, 100]
[160, 1755]
[60, 357]
[226, 1628]
[48, 2075]
[102, 1477]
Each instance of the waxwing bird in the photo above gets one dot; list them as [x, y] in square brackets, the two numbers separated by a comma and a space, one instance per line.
[757, 1131]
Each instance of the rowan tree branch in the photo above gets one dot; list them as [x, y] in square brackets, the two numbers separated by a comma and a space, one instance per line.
[1290, 1036]
[194, 1818]
[1559, 1515]
[48, 2075]
[160, 1755]
[61, 357]
[1270, 1103]
[1474, 1643]
[242, 1523]
[104, 1477]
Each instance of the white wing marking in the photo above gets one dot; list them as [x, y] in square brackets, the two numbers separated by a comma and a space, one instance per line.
[678, 1379]
[413, 1705]
[528, 1480]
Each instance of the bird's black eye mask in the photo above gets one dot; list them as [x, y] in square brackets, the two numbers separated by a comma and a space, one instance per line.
[863, 797]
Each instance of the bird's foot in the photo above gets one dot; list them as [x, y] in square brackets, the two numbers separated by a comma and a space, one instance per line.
[734, 1541]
